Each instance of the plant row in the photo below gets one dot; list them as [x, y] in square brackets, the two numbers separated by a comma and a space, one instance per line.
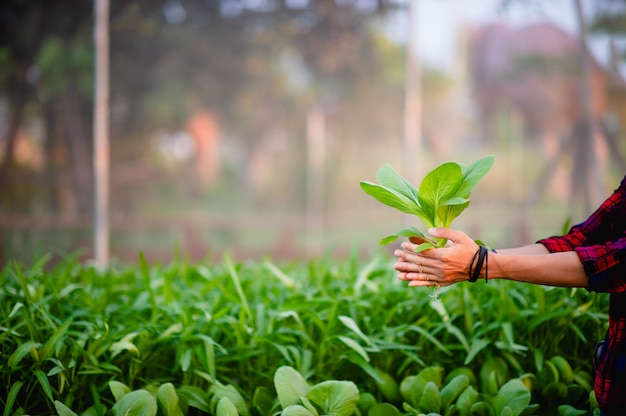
[229, 338]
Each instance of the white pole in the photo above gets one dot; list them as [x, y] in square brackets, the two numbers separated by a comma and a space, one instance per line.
[101, 134]
[412, 103]
[316, 155]
[592, 178]
[413, 100]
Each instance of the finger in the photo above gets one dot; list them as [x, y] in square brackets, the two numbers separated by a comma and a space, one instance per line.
[412, 255]
[421, 283]
[448, 234]
[415, 283]
[402, 276]
[408, 267]
[409, 246]
[408, 256]
[421, 277]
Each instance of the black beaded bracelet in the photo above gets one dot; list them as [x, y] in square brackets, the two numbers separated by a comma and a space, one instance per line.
[481, 256]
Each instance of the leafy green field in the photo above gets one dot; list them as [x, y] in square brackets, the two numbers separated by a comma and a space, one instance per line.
[317, 338]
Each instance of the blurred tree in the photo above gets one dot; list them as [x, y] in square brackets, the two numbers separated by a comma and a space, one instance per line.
[169, 58]
[254, 66]
[610, 19]
[258, 66]
[31, 32]
[561, 91]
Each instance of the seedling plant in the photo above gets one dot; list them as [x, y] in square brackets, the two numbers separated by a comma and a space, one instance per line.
[443, 195]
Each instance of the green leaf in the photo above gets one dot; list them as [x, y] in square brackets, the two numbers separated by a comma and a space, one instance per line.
[451, 209]
[383, 409]
[457, 200]
[355, 346]
[389, 178]
[351, 324]
[296, 410]
[411, 388]
[387, 385]
[15, 389]
[95, 410]
[63, 410]
[226, 408]
[423, 247]
[453, 390]
[391, 198]
[262, 400]
[236, 279]
[366, 401]
[338, 398]
[477, 346]
[118, 389]
[407, 232]
[220, 391]
[467, 399]
[286, 280]
[290, 386]
[135, 403]
[185, 358]
[567, 410]
[55, 341]
[309, 406]
[513, 394]
[507, 411]
[167, 400]
[22, 351]
[196, 398]
[474, 173]
[44, 383]
[482, 408]
[432, 373]
[438, 186]
[125, 344]
[426, 334]
[430, 402]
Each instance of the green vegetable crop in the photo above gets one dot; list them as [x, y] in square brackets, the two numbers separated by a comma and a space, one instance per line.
[442, 196]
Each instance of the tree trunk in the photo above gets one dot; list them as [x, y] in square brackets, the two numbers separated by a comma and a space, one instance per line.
[101, 134]
[14, 121]
[79, 148]
[586, 181]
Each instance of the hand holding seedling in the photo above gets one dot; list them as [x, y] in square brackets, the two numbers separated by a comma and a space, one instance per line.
[436, 267]
[443, 194]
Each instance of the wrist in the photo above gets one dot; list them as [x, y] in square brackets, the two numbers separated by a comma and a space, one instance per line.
[479, 265]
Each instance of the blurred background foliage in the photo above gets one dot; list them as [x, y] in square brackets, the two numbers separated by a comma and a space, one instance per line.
[246, 125]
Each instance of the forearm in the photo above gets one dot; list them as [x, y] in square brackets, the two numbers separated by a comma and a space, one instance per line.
[525, 250]
[562, 269]
[530, 264]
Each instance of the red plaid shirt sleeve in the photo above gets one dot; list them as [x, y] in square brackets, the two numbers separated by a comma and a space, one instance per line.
[600, 242]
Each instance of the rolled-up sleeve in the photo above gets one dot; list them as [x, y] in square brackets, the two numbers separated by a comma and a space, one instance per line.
[600, 243]
[605, 266]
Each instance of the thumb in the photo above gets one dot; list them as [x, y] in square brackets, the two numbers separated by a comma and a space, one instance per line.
[448, 234]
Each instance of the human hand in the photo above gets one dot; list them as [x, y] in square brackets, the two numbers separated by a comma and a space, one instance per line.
[436, 266]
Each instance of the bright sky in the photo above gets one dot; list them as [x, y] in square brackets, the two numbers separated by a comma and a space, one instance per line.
[438, 22]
